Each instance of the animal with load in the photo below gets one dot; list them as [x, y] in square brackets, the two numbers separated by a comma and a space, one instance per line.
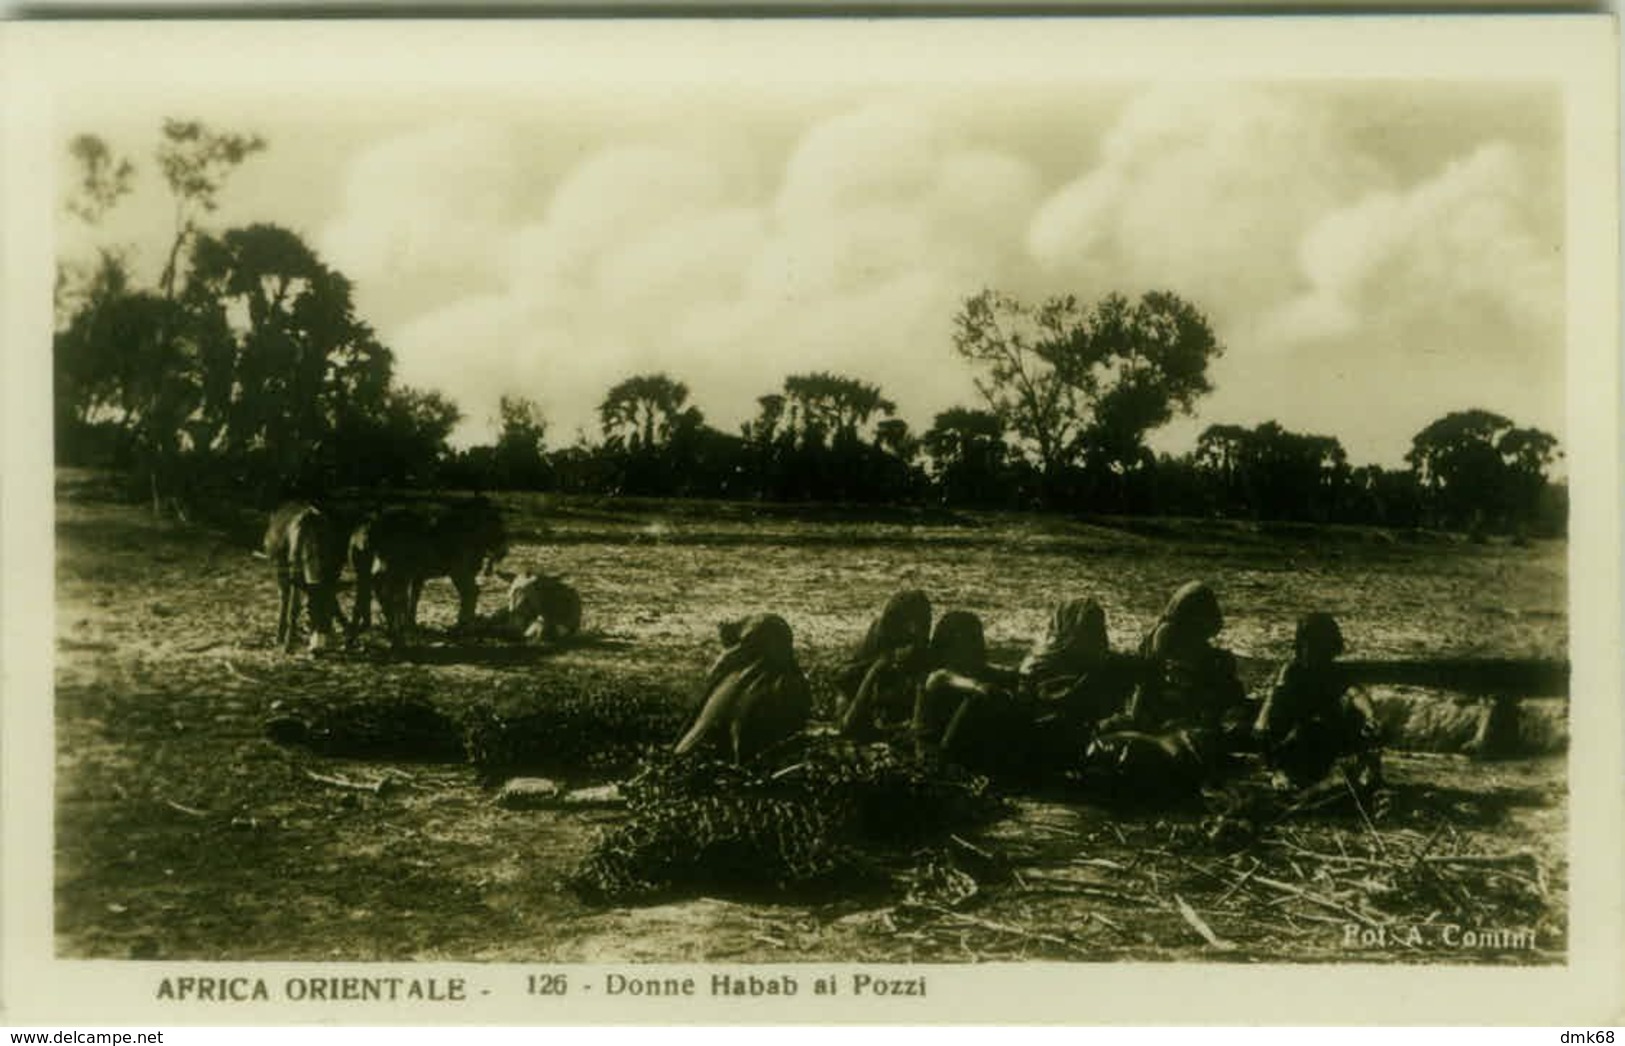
[306, 548]
[393, 552]
[396, 550]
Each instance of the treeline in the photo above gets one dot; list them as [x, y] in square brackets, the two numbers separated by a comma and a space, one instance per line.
[1472, 470]
[245, 371]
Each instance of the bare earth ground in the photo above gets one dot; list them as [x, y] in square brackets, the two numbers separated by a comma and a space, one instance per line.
[182, 832]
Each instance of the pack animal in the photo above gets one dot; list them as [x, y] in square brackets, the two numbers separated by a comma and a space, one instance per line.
[543, 606]
[397, 550]
[306, 548]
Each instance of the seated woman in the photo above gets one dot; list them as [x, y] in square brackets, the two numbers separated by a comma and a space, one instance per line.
[1189, 709]
[877, 685]
[967, 711]
[1071, 681]
[1310, 723]
[756, 694]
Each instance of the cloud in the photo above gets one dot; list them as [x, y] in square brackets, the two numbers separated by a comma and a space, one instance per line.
[1443, 295]
[622, 194]
[1354, 300]
[730, 255]
[1204, 190]
[420, 214]
[850, 255]
[1461, 244]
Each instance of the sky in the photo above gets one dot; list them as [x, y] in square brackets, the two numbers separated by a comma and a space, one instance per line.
[1372, 254]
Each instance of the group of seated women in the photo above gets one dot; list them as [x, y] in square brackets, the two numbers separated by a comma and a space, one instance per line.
[1174, 715]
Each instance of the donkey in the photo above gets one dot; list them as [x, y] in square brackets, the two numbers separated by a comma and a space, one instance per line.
[397, 550]
[306, 547]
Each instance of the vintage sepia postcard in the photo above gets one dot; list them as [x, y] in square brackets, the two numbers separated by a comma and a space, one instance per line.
[812, 521]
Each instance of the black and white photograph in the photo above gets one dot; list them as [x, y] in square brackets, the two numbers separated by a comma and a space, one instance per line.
[802, 512]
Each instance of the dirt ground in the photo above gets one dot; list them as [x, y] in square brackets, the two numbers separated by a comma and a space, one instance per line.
[183, 832]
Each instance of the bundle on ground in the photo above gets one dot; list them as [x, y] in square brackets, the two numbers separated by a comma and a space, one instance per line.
[594, 730]
[397, 727]
[829, 821]
[1423, 721]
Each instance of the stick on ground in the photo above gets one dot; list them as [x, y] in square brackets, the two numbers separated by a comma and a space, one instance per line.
[1201, 927]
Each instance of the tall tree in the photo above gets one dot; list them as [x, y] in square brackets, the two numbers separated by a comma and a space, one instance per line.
[1138, 365]
[1027, 374]
[195, 162]
[764, 429]
[521, 424]
[1222, 456]
[280, 333]
[833, 406]
[103, 178]
[1528, 454]
[642, 412]
[1077, 380]
[1271, 472]
[768, 440]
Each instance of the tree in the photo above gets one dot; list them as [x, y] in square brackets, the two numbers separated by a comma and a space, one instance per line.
[123, 363]
[644, 419]
[1456, 463]
[1086, 381]
[1137, 366]
[103, 178]
[195, 162]
[1389, 497]
[1028, 377]
[641, 412]
[829, 450]
[285, 365]
[1273, 473]
[769, 441]
[764, 429]
[1291, 475]
[1221, 453]
[1479, 468]
[968, 456]
[834, 407]
[828, 436]
[87, 356]
[417, 425]
[1528, 454]
[521, 447]
[893, 436]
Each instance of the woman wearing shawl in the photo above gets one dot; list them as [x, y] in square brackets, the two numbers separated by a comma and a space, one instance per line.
[877, 685]
[1310, 722]
[1071, 681]
[967, 709]
[1189, 704]
[756, 694]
